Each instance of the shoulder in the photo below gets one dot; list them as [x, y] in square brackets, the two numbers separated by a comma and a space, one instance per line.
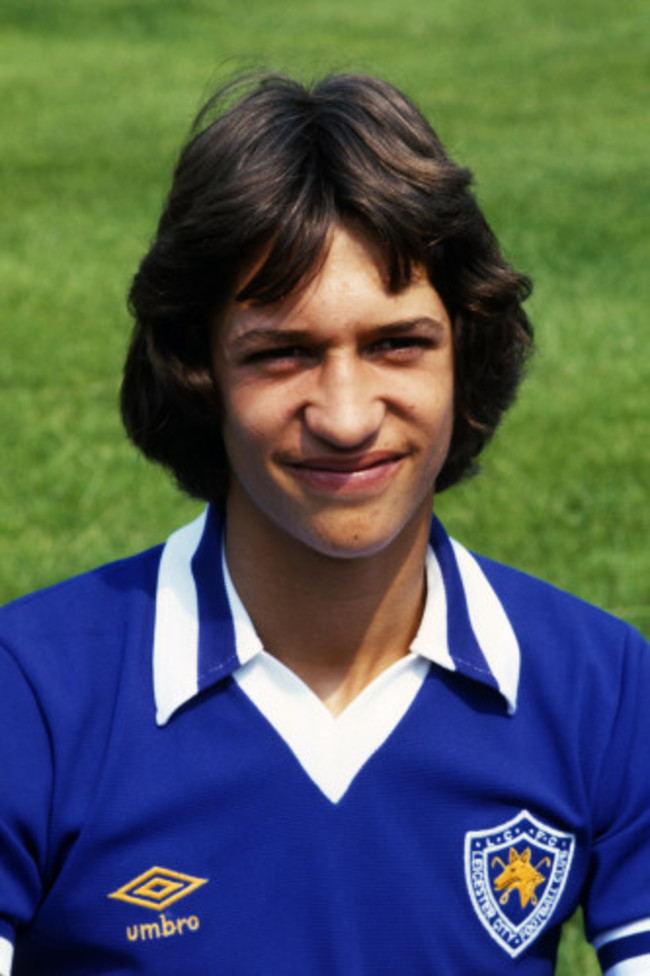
[77, 656]
[579, 654]
[101, 584]
[60, 627]
[535, 606]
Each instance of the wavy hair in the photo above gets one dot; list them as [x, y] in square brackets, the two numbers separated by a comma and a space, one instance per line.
[269, 167]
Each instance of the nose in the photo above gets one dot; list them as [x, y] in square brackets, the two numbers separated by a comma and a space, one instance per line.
[343, 407]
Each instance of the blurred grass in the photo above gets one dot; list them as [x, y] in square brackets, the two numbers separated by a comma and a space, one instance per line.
[548, 104]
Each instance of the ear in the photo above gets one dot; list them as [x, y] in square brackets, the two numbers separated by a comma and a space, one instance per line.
[513, 855]
[526, 856]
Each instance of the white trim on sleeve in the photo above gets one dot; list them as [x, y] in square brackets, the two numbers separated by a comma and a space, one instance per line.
[6, 957]
[622, 932]
[635, 966]
[639, 966]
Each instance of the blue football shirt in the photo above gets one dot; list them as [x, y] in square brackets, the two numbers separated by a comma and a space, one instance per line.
[174, 801]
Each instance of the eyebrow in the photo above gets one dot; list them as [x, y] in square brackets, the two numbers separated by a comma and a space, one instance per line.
[283, 337]
[277, 337]
[405, 326]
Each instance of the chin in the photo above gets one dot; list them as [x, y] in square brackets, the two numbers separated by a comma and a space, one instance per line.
[349, 551]
[350, 544]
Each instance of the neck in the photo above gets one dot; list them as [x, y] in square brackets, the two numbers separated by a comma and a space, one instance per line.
[336, 622]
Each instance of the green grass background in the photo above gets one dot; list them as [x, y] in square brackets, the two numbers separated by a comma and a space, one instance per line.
[545, 99]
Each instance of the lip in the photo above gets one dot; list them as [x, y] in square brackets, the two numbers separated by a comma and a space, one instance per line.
[357, 473]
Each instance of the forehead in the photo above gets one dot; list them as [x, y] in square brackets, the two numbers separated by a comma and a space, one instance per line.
[294, 254]
[349, 284]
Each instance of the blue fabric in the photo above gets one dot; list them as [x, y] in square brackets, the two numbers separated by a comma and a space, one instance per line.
[93, 794]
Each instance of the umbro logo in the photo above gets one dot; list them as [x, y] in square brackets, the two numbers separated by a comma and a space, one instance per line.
[157, 889]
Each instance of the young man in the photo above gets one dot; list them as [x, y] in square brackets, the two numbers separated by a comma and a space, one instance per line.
[311, 734]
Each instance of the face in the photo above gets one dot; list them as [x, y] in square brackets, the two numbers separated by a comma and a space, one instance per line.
[338, 407]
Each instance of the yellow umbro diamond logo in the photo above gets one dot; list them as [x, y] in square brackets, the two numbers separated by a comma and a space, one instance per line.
[158, 888]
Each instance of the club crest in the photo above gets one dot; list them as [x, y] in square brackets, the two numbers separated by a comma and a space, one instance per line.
[516, 873]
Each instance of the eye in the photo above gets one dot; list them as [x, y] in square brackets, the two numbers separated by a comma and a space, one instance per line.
[401, 347]
[277, 352]
[279, 357]
[398, 342]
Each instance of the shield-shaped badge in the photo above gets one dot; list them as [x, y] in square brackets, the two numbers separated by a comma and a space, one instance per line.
[516, 873]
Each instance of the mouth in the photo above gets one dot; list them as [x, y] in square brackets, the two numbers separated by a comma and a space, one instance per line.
[359, 472]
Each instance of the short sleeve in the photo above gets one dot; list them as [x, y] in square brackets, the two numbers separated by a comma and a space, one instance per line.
[25, 796]
[617, 905]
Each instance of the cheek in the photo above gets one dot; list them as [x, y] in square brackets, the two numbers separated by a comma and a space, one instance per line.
[432, 404]
[437, 423]
[252, 422]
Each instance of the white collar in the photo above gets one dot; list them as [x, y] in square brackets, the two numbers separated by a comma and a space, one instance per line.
[203, 633]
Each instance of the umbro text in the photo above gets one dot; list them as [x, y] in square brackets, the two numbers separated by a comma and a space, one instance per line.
[164, 928]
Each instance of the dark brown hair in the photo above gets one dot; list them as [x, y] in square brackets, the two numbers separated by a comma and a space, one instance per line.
[269, 167]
